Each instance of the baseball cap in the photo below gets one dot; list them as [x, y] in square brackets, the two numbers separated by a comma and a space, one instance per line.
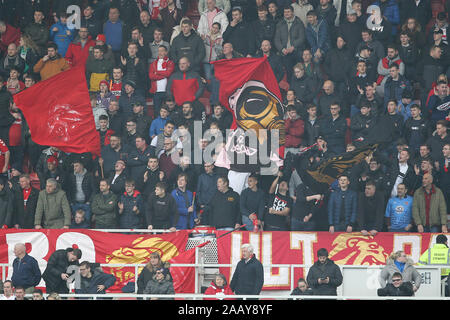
[101, 37]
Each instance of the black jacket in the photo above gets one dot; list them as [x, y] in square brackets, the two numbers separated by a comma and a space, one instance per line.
[118, 187]
[360, 126]
[56, 265]
[422, 12]
[263, 30]
[410, 57]
[416, 132]
[6, 118]
[275, 63]
[405, 290]
[24, 214]
[241, 37]
[311, 131]
[338, 63]
[351, 32]
[137, 162]
[334, 131]
[191, 46]
[110, 156]
[437, 143]
[89, 285]
[304, 88]
[6, 206]
[87, 186]
[223, 210]
[148, 187]
[408, 179]
[248, 278]
[162, 213]
[371, 211]
[328, 269]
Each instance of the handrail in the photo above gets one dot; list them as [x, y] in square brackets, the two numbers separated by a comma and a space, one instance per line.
[197, 265]
[259, 297]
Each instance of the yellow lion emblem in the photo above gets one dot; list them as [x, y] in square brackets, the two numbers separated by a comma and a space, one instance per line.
[139, 253]
[356, 249]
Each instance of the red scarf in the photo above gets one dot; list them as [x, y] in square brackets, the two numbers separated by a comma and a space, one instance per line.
[385, 62]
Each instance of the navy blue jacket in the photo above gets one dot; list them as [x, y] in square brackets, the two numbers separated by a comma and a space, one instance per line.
[89, 285]
[26, 272]
[128, 219]
[206, 188]
[334, 131]
[248, 277]
[350, 206]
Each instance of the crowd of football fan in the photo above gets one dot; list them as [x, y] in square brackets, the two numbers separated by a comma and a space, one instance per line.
[349, 79]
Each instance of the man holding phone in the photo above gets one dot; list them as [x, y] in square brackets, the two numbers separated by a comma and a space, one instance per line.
[324, 276]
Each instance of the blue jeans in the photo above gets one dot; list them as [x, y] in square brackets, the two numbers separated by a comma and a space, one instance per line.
[209, 70]
[300, 225]
[249, 223]
[158, 99]
[397, 230]
[213, 85]
[432, 229]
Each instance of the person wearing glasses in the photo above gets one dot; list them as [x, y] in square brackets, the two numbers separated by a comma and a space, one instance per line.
[398, 287]
[400, 263]
[160, 284]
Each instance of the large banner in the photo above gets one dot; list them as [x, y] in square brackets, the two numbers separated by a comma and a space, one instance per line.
[270, 248]
[96, 246]
[301, 248]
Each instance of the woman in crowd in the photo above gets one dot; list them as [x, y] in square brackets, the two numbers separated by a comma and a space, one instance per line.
[399, 262]
[149, 271]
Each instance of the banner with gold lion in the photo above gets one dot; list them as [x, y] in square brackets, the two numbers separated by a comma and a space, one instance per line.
[96, 246]
[301, 248]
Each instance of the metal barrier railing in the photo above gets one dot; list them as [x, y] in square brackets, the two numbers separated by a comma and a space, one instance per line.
[198, 265]
[244, 297]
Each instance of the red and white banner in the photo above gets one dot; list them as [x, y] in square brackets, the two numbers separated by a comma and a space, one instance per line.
[301, 248]
[96, 246]
[270, 248]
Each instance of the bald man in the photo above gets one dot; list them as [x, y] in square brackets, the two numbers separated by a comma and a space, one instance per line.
[26, 271]
[429, 208]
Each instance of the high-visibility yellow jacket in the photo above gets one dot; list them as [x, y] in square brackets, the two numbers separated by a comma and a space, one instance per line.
[439, 254]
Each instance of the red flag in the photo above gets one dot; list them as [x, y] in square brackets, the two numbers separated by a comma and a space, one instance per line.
[184, 277]
[59, 113]
[233, 74]
[249, 89]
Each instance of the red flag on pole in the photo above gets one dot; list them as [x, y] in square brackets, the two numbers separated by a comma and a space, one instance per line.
[184, 277]
[235, 76]
[59, 113]
[249, 89]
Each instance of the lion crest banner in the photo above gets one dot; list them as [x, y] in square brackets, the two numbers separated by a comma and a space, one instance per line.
[96, 246]
[301, 248]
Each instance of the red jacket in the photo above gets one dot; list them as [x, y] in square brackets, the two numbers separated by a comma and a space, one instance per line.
[76, 55]
[294, 132]
[213, 290]
[11, 35]
[154, 74]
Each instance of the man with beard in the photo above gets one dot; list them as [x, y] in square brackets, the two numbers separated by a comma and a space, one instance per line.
[111, 153]
[324, 276]
[51, 64]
